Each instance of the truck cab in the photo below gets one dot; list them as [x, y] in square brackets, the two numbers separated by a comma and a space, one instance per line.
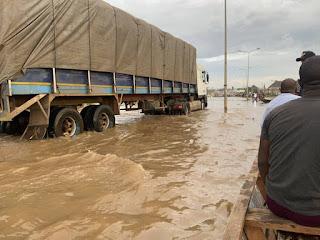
[203, 80]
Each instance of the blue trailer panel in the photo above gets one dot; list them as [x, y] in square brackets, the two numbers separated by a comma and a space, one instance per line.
[40, 81]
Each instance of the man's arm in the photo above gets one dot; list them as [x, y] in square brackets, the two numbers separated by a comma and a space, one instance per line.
[263, 158]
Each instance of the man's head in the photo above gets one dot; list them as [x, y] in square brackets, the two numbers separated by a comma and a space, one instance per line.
[305, 55]
[288, 86]
[310, 73]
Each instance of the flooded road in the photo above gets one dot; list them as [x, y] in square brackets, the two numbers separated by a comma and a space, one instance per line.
[152, 177]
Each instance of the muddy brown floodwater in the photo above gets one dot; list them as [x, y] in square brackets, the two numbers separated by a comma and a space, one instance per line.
[151, 177]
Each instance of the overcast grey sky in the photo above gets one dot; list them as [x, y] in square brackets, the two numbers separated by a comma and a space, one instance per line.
[281, 28]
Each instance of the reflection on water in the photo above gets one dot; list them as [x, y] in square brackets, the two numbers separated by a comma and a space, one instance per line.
[152, 177]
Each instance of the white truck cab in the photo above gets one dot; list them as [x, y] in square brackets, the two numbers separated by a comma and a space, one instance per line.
[203, 79]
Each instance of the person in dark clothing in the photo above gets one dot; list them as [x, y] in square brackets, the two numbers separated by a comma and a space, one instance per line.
[304, 56]
[288, 93]
[289, 152]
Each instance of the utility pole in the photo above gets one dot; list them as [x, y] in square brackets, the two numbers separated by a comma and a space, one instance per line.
[225, 59]
[248, 77]
[248, 70]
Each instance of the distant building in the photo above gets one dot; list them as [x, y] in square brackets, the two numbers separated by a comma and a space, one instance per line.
[274, 88]
[254, 89]
[232, 92]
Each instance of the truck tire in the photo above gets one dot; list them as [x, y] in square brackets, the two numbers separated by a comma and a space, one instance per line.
[22, 122]
[205, 102]
[1, 127]
[11, 128]
[53, 114]
[185, 108]
[17, 126]
[87, 116]
[68, 122]
[103, 118]
[35, 133]
[203, 105]
[148, 108]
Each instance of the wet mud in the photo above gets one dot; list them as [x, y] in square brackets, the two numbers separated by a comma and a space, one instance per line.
[151, 177]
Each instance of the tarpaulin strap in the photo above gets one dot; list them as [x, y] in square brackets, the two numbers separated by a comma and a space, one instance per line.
[54, 35]
[164, 55]
[175, 62]
[151, 70]
[116, 42]
[89, 29]
[138, 40]
[55, 85]
[189, 72]
[183, 63]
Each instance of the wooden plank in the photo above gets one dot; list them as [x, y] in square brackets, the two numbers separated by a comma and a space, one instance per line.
[26, 105]
[236, 221]
[254, 233]
[42, 110]
[271, 234]
[263, 218]
[262, 188]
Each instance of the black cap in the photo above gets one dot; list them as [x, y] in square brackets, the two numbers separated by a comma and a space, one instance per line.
[310, 72]
[305, 55]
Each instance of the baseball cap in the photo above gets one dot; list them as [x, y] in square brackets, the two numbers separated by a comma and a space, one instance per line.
[305, 55]
[310, 72]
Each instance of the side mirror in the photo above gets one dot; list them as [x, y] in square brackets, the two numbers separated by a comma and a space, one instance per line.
[208, 78]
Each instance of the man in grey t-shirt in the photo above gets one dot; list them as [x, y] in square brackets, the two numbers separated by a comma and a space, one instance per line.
[289, 154]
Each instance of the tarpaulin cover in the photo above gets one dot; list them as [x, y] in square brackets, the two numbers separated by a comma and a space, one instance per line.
[88, 35]
[170, 56]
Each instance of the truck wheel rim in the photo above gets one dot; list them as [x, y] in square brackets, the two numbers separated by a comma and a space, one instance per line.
[187, 110]
[104, 120]
[69, 127]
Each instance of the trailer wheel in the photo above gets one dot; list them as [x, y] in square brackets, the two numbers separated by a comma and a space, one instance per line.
[53, 114]
[103, 118]
[203, 105]
[87, 116]
[185, 108]
[18, 124]
[5, 127]
[22, 122]
[10, 128]
[1, 127]
[68, 123]
[35, 133]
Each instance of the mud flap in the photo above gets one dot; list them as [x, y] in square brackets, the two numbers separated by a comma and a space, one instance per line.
[39, 120]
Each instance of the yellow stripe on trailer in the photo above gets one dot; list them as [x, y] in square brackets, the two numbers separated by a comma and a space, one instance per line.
[31, 83]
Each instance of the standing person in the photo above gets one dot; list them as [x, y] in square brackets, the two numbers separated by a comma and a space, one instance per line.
[288, 91]
[304, 56]
[289, 152]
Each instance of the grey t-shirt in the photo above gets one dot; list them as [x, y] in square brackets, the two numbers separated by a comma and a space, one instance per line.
[294, 175]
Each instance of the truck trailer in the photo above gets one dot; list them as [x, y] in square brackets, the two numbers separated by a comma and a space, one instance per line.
[70, 65]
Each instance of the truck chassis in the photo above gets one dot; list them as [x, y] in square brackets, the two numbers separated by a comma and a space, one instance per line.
[60, 102]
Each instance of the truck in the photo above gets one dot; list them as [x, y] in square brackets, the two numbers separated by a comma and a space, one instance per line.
[71, 66]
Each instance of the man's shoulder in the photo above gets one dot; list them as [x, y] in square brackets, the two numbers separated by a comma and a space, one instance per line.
[275, 99]
[281, 100]
[284, 96]
[291, 104]
[277, 113]
[292, 96]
